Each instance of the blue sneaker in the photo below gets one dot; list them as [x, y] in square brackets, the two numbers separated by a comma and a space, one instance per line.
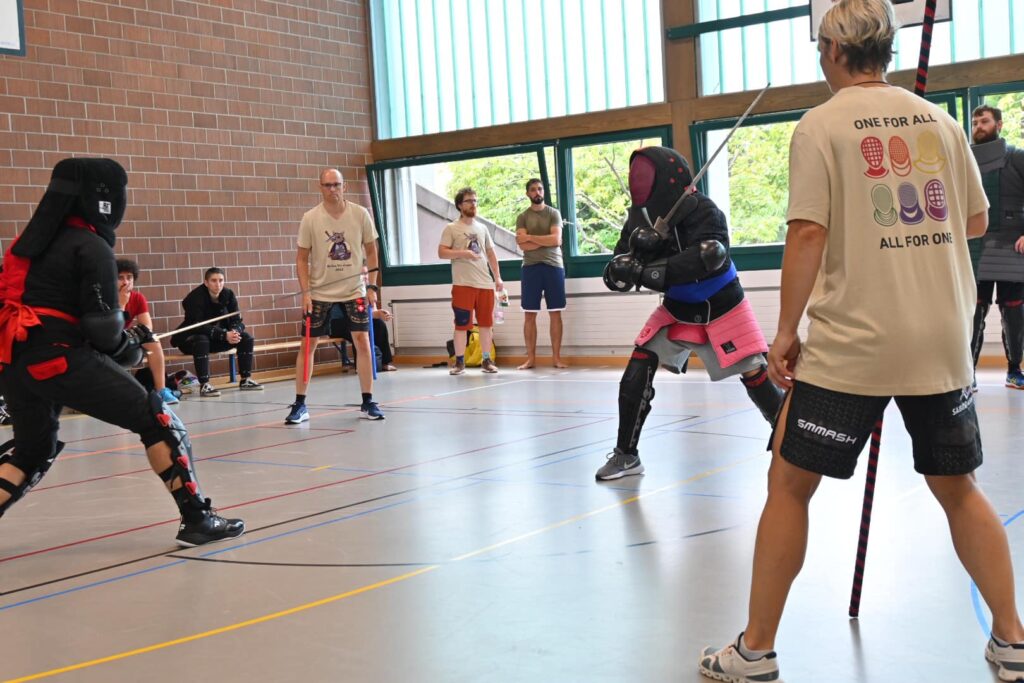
[168, 396]
[298, 414]
[370, 411]
[1015, 380]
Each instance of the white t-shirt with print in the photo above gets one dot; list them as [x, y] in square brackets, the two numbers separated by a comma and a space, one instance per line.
[337, 252]
[476, 238]
[892, 178]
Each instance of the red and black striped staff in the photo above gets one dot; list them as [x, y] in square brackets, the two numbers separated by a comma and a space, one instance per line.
[920, 87]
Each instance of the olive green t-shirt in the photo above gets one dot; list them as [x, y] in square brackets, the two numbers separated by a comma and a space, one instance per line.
[540, 223]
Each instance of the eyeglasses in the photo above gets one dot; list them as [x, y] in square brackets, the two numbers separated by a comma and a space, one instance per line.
[469, 201]
[331, 185]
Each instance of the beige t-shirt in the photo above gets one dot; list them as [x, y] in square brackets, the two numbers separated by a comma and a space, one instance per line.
[337, 251]
[540, 223]
[892, 178]
[476, 238]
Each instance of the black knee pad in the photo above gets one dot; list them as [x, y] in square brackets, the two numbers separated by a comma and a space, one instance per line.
[33, 473]
[636, 391]
[462, 316]
[765, 395]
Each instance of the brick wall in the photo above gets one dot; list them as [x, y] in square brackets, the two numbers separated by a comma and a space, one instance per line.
[222, 112]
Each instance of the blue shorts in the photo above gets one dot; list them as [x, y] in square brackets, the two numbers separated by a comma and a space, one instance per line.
[541, 278]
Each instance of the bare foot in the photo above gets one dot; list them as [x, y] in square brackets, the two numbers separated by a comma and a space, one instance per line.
[560, 364]
[528, 365]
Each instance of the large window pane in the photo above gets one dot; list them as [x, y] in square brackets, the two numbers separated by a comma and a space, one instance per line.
[419, 203]
[781, 51]
[600, 174]
[444, 65]
[752, 188]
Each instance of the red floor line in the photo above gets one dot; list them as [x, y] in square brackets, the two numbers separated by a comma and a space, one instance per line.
[298, 491]
[114, 435]
[335, 432]
[193, 437]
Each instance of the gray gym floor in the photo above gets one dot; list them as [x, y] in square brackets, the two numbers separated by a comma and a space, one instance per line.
[464, 539]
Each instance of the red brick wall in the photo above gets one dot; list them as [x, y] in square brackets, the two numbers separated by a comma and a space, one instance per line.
[222, 112]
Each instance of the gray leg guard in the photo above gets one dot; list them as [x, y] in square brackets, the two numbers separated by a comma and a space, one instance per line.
[978, 335]
[1013, 333]
[171, 430]
[636, 391]
[31, 478]
[765, 395]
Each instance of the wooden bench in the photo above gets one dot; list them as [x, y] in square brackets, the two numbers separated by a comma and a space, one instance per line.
[337, 342]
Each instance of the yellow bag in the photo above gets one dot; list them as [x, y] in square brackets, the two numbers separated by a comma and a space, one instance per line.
[474, 354]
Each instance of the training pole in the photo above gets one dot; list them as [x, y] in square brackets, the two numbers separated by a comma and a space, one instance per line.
[920, 87]
[305, 349]
[373, 347]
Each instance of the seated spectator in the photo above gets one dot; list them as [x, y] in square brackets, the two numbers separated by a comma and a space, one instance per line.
[136, 308]
[207, 301]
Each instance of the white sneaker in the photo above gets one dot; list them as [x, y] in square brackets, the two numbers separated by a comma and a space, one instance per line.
[1009, 659]
[208, 390]
[729, 665]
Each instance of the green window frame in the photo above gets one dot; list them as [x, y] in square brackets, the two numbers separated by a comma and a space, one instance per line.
[576, 265]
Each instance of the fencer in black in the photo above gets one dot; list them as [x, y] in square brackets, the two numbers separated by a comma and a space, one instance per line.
[63, 342]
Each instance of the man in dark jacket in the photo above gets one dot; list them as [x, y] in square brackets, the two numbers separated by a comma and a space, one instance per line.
[62, 338]
[210, 300]
[1001, 268]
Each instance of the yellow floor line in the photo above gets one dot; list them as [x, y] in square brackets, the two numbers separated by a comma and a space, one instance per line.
[379, 584]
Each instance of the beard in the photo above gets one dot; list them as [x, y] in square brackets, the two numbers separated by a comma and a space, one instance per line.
[982, 138]
[537, 200]
[469, 213]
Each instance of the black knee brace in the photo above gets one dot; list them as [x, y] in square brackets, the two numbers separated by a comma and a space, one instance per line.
[33, 473]
[636, 391]
[978, 331]
[171, 430]
[1012, 314]
[765, 395]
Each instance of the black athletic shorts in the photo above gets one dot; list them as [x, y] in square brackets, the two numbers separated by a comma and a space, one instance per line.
[334, 319]
[826, 430]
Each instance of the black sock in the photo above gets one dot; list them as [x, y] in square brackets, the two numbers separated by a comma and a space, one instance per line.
[1012, 368]
[300, 399]
[367, 398]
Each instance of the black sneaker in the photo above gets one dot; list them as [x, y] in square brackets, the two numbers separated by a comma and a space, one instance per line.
[209, 529]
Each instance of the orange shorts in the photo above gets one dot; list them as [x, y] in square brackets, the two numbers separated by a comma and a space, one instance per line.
[466, 301]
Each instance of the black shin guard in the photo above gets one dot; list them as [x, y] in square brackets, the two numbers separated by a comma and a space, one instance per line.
[765, 395]
[1013, 333]
[32, 477]
[636, 391]
[978, 333]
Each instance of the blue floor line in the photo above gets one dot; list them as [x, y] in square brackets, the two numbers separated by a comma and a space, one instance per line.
[979, 611]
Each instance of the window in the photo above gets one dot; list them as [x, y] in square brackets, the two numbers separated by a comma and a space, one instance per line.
[413, 198]
[746, 57]
[749, 180]
[418, 202]
[444, 65]
[600, 175]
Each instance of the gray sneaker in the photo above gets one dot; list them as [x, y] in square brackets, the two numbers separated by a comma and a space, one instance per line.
[1009, 658]
[620, 465]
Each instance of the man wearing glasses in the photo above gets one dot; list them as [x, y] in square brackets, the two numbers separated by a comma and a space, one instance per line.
[470, 248]
[336, 239]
